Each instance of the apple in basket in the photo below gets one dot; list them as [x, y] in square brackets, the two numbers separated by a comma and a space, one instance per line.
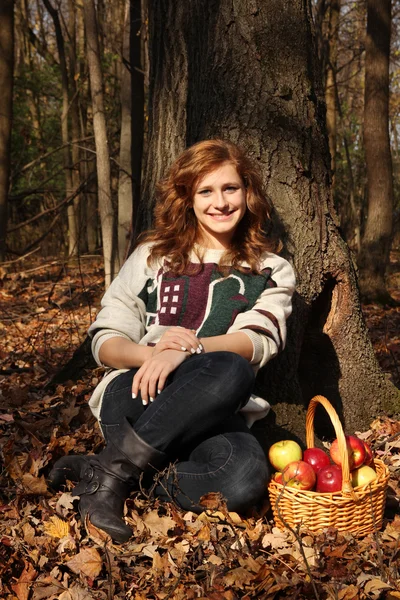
[278, 477]
[369, 455]
[299, 474]
[317, 458]
[329, 479]
[362, 476]
[284, 452]
[355, 449]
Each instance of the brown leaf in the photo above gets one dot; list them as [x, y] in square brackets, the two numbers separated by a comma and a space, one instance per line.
[23, 585]
[238, 577]
[34, 485]
[29, 534]
[214, 560]
[350, 592]
[98, 536]
[161, 564]
[249, 563]
[157, 525]
[75, 592]
[374, 587]
[88, 561]
[41, 592]
[214, 501]
[204, 533]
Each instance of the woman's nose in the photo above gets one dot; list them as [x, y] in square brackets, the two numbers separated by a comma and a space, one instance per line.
[220, 200]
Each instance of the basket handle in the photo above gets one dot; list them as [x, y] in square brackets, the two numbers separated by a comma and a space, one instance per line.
[347, 487]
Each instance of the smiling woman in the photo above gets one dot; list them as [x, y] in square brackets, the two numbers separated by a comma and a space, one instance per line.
[197, 308]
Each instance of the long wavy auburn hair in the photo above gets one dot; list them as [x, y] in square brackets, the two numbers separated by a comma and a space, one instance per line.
[176, 230]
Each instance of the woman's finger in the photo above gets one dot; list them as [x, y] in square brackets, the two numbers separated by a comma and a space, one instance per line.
[186, 340]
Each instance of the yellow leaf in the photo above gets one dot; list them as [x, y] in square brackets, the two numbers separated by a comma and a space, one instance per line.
[56, 527]
[88, 562]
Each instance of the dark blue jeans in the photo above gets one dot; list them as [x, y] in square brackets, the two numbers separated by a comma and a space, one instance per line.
[195, 421]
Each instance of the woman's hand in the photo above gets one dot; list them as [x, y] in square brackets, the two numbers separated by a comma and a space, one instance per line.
[178, 338]
[152, 375]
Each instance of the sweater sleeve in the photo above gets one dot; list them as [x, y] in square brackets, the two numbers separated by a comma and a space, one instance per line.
[123, 306]
[265, 322]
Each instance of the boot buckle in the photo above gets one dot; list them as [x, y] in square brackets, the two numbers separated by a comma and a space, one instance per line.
[88, 473]
[92, 487]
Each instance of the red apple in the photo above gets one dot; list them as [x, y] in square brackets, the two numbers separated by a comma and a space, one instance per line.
[329, 479]
[278, 477]
[284, 452]
[362, 476]
[317, 458]
[355, 449]
[299, 474]
[369, 455]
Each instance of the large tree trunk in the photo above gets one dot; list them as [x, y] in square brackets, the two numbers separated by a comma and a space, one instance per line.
[100, 135]
[6, 87]
[376, 241]
[226, 69]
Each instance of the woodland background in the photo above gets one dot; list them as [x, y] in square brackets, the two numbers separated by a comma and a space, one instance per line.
[85, 129]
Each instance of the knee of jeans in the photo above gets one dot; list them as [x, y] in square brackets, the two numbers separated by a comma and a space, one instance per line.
[234, 370]
[246, 486]
[249, 491]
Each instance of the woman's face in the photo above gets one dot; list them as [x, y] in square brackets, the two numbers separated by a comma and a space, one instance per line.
[219, 203]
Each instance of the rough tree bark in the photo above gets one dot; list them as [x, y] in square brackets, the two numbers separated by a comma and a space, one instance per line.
[376, 241]
[6, 87]
[101, 142]
[226, 69]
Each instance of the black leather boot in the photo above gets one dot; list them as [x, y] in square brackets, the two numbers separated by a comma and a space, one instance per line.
[106, 479]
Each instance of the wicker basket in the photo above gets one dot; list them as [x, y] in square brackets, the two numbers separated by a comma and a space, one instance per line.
[358, 510]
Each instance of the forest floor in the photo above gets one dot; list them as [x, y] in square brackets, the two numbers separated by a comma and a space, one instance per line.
[46, 553]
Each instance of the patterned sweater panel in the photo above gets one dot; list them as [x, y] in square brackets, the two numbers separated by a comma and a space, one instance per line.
[143, 302]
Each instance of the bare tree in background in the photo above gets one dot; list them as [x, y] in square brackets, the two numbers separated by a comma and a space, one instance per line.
[6, 87]
[100, 134]
[330, 82]
[125, 170]
[376, 241]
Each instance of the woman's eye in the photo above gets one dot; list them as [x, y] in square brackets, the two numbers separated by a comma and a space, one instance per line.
[231, 188]
[204, 192]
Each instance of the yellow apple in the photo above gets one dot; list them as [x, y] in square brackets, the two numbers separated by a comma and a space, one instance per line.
[284, 452]
[362, 476]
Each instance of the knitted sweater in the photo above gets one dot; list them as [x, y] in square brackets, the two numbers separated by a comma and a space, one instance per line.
[143, 302]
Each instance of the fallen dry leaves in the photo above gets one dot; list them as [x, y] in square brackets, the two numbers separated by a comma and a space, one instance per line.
[46, 553]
